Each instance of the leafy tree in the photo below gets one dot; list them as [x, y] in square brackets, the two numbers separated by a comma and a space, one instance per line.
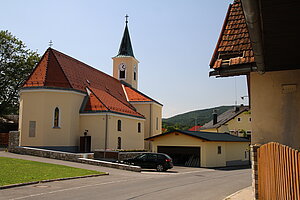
[16, 63]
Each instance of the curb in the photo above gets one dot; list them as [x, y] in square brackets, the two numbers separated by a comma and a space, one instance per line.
[50, 180]
[228, 198]
[241, 194]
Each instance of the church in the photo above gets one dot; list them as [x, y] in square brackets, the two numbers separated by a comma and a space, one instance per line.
[64, 98]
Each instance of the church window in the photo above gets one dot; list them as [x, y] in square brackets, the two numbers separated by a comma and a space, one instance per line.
[32, 127]
[156, 123]
[56, 118]
[139, 127]
[119, 125]
[119, 143]
[134, 72]
[122, 74]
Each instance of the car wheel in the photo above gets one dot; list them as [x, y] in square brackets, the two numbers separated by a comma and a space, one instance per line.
[160, 168]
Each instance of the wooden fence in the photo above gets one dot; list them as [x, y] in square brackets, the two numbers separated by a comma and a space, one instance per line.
[4, 139]
[278, 172]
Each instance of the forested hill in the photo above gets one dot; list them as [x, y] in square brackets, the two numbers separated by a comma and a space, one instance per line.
[187, 120]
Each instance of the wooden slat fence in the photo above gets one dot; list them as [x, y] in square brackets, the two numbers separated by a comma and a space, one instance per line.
[4, 139]
[278, 172]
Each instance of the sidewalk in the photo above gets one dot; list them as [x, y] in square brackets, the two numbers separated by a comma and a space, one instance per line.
[244, 194]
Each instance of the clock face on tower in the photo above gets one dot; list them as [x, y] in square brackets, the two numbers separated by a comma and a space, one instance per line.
[122, 67]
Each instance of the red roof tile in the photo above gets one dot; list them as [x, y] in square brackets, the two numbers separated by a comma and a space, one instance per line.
[234, 46]
[134, 95]
[38, 76]
[111, 103]
[195, 128]
[59, 70]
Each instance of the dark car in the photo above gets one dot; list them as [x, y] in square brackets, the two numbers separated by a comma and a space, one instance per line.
[159, 161]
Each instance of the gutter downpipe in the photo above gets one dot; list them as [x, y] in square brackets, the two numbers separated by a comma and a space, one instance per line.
[254, 22]
[150, 130]
[106, 134]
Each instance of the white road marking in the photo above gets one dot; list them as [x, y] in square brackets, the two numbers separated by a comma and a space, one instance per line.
[73, 188]
[111, 182]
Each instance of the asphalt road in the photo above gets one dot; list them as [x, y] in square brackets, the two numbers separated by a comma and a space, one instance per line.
[178, 183]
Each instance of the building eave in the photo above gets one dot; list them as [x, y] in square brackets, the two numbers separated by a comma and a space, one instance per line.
[233, 70]
[104, 112]
[53, 89]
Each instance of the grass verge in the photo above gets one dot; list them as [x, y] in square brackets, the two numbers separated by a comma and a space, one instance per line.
[14, 171]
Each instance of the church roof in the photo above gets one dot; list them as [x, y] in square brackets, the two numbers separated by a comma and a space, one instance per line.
[234, 49]
[125, 47]
[134, 95]
[105, 93]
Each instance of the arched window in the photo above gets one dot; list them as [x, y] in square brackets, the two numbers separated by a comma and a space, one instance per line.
[122, 74]
[134, 72]
[119, 143]
[139, 127]
[156, 123]
[119, 125]
[56, 118]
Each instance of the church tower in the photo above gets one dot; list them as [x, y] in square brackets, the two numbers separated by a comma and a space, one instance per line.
[125, 65]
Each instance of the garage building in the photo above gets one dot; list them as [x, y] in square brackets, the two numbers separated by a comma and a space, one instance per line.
[202, 149]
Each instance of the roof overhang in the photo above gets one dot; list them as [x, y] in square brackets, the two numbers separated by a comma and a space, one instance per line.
[233, 70]
[274, 33]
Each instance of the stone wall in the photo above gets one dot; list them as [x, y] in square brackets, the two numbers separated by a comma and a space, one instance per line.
[110, 164]
[14, 139]
[86, 158]
[46, 153]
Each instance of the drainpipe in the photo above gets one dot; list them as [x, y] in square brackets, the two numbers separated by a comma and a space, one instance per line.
[150, 130]
[253, 19]
[106, 134]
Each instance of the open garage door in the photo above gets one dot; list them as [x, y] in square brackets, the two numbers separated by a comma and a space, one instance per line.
[182, 156]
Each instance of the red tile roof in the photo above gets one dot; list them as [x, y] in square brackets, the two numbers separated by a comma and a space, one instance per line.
[108, 102]
[234, 46]
[59, 70]
[195, 128]
[134, 95]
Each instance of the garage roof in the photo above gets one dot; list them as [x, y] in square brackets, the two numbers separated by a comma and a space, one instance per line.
[208, 136]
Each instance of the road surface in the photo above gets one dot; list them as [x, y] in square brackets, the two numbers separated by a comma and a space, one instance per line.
[178, 183]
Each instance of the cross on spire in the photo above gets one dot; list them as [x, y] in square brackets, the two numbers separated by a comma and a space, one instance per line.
[50, 43]
[126, 16]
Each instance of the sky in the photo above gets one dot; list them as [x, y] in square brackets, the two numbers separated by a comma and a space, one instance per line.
[173, 40]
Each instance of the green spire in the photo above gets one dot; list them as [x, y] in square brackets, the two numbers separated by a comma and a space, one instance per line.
[125, 47]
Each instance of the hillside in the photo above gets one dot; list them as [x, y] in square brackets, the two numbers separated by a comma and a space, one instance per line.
[187, 120]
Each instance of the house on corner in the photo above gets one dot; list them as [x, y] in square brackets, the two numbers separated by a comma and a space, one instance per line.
[268, 58]
[260, 39]
[63, 98]
[236, 121]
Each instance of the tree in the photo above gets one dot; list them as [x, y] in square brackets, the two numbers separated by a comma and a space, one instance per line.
[16, 63]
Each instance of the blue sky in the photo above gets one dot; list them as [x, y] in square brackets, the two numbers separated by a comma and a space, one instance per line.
[172, 39]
